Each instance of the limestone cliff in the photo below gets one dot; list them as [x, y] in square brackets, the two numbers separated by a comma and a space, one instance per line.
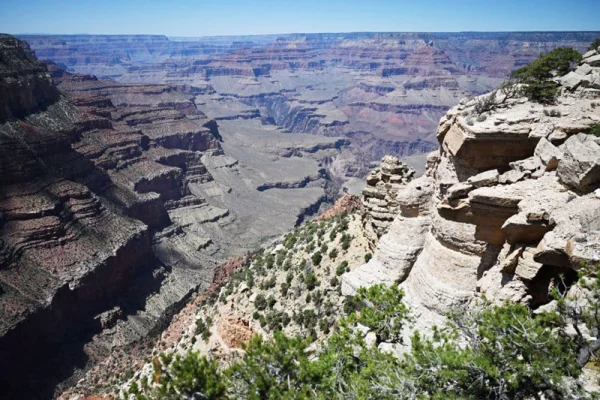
[507, 206]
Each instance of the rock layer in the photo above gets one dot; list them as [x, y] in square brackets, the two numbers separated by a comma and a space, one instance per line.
[505, 209]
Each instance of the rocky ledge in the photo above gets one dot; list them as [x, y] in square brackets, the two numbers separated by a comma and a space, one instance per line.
[508, 207]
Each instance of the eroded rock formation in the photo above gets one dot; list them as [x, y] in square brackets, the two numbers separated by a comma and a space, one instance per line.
[379, 197]
[506, 207]
[383, 91]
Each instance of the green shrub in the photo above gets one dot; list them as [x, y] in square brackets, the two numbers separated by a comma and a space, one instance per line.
[343, 267]
[346, 240]
[383, 311]
[595, 44]
[333, 253]
[368, 257]
[271, 302]
[316, 258]
[595, 130]
[268, 283]
[260, 302]
[536, 77]
[311, 281]
[203, 328]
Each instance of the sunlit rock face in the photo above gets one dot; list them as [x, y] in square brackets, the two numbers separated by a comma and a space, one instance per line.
[508, 207]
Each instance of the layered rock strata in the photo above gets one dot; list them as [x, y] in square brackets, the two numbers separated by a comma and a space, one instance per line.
[111, 215]
[379, 196]
[506, 208]
[383, 91]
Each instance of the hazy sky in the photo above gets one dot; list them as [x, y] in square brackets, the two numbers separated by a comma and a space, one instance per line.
[236, 17]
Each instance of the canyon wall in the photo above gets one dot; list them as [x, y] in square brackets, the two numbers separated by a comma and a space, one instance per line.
[117, 202]
[385, 92]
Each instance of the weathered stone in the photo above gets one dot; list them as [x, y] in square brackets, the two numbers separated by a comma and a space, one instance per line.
[593, 61]
[459, 190]
[541, 131]
[393, 258]
[527, 268]
[487, 178]
[557, 136]
[511, 176]
[548, 153]
[380, 195]
[580, 166]
[509, 263]
[529, 164]
[584, 69]
[571, 80]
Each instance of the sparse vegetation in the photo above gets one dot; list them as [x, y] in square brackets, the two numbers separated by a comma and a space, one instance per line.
[552, 113]
[505, 352]
[341, 268]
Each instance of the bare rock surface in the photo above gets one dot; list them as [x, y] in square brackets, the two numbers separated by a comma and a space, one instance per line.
[512, 206]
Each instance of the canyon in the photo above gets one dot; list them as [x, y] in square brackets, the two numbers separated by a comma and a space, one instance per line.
[132, 168]
[385, 92]
[118, 202]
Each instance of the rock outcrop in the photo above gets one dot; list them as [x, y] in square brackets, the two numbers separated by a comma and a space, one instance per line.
[506, 208]
[379, 196]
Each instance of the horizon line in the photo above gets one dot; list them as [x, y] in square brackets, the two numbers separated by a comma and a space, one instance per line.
[296, 33]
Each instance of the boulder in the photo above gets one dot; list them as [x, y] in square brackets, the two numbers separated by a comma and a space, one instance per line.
[593, 61]
[487, 178]
[580, 166]
[571, 80]
[549, 154]
[511, 176]
[583, 69]
[591, 80]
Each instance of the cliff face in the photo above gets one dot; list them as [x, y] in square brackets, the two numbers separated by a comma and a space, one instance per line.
[65, 252]
[508, 204]
[26, 85]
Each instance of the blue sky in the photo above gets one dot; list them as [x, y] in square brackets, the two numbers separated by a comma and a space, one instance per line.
[237, 17]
